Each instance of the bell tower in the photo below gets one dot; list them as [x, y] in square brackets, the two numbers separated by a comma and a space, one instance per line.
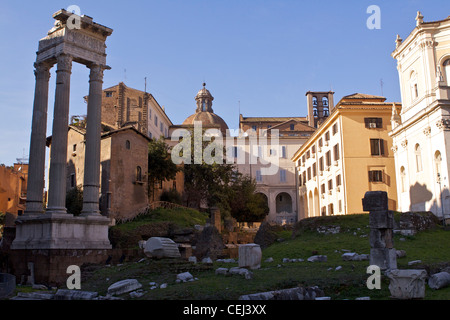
[320, 105]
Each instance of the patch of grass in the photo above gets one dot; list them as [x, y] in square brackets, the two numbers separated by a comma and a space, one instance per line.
[348, 282]
[182, 217]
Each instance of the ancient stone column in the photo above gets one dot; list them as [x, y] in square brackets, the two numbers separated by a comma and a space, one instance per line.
[91, 184]
[36, 166]
[381, 222]
[58, 153]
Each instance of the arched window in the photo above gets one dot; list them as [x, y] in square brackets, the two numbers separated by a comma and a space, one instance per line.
[314, 101]
[128, 144]
[446, 66]
[418, 154]
[437, 164]
[413, 85]
[402, 179]
[325, 101]
[203, 105]
[138, 173]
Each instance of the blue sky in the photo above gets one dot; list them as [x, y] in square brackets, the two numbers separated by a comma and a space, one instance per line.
[261, 55]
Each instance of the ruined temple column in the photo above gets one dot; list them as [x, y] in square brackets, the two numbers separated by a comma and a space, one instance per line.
[58, 154]
[91, 184]
[36, 166]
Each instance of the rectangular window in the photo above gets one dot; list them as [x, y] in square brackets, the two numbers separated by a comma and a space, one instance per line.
[304, 176]
[150, 113]
[335, 128]
[304, 159]
[330, 185]
[308, 154]
[314, 168]
[300, 182]
[373, 123]
[282, 175]
[292, 127]
[283, 152]
[72, 180]
[108, 94]
[258, 176]
[161, 127]
[375, 176]
[327, 135]
[377, 147]
[313, 149]
[330, 209]
[322, 188]
[74, 148]
[321, 164]
[336, 152]
[309, 173]
[320, 142]
[338, 180]
[254, 128]
[156, 121]
[108, 200]
[235, 152]
[328, 158]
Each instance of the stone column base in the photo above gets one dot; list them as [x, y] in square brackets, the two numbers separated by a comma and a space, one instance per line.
[61, 231]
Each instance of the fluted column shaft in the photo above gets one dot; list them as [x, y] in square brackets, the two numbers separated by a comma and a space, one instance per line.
[36, 165]
[91, 184]
[58, 154]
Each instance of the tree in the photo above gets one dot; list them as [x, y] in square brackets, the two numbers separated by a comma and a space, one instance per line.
[245, 203]
[74, 200]
[206, 182]
[160, 165]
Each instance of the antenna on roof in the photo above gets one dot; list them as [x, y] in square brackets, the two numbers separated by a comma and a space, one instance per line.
[145, 85]
[381, 85]
[124, 75]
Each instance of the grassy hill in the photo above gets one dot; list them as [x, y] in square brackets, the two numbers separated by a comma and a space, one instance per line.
[309, 237]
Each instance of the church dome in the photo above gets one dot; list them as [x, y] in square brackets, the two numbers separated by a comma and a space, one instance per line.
[205, 113]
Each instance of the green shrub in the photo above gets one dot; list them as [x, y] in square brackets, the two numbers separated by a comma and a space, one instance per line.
[172, 196]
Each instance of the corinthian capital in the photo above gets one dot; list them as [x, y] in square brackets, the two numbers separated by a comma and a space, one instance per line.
[96, 73]
[42, 70]
[64, 63]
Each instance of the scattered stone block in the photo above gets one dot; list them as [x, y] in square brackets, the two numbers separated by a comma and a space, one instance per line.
[159, 247]
[66, 294]
[439, 280]
[124, 286]
[250, 256]
[241, 271]
[207, 260]
[298, 293]
[317, 258]
[407, 284]
[400, 253]
[136, 294]
[185, 277]
[223, 271]
[411, 263]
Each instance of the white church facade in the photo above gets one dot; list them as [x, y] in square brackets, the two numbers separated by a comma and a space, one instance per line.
[421, 131]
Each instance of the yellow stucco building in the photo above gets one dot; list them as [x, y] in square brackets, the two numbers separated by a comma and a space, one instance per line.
[349, 154]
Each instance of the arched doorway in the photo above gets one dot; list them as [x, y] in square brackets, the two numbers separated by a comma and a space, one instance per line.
[283, 202]
[316, 203]
[265, 199]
